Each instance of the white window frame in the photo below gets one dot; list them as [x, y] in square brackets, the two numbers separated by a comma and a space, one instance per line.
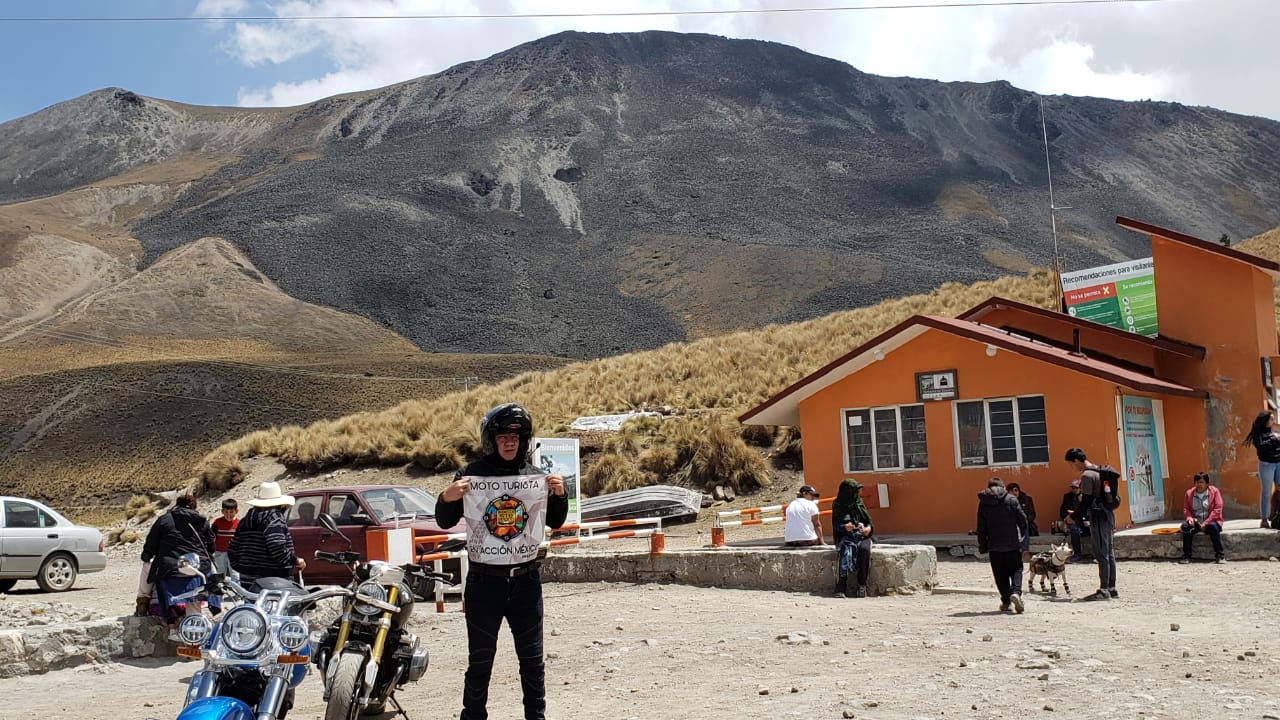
[871, 415]
[986, 423]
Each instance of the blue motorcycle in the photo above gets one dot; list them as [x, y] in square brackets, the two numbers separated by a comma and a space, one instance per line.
[255, 655]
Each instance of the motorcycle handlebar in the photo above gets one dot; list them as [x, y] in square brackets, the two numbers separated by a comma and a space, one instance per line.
[345, 557]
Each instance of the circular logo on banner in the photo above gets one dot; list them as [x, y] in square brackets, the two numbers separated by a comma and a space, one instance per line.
[506, 517]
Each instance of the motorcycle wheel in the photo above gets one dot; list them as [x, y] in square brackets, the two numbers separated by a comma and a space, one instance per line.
[344, 696]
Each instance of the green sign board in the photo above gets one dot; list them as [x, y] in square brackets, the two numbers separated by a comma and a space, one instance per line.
[1121, 295]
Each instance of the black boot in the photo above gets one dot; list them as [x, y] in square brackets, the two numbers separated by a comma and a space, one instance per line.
[842, 585]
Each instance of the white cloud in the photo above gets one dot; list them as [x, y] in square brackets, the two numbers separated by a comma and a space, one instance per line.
[1207, 53]
[220, 8]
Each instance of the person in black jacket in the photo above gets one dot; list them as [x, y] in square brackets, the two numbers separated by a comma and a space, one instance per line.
[262, 546]
[1267, 444]
[1075, 521]
[1001, 527]
[1102, 522]
[1028, 509]
[180, 531]
[494, 592]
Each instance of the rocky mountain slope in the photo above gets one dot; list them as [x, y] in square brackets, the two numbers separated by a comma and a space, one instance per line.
[589, 194]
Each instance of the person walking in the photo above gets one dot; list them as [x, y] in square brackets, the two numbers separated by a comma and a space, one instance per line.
[802, 527]
[1001, 527]
[851, 529]
[1102, 522]
[261, 546]
[1267, 444]
[1202, 512]
[1073, 519]
[495, 592]
[178, 532]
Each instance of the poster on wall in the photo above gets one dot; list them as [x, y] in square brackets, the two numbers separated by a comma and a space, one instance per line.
[1142, 468]
[560, 455]
[1121, 295]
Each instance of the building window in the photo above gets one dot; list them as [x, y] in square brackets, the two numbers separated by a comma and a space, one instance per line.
[885, 438]
[1004, 431]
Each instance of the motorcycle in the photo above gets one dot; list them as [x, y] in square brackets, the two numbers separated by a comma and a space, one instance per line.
[255, 656]
[366, 654]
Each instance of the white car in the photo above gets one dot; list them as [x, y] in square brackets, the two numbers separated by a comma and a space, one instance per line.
[36, 543]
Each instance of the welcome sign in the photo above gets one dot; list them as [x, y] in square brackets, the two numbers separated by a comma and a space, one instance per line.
[1121, 295]
[559, 456]
[506, 518]
[1143, 471]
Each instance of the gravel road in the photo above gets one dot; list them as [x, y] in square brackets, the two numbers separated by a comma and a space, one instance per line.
[1184, 641]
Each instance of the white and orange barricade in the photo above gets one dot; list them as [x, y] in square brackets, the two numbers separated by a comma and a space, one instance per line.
[586, 533]
[764, 515]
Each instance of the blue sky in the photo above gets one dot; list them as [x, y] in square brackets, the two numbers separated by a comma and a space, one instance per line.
[1198, 52]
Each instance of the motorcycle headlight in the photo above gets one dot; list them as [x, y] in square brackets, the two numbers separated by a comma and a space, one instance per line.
[292, 634]
[243, 630]
[195, 629]
[373, 591]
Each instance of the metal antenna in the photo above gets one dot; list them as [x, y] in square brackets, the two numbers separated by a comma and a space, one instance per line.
[1058, 263]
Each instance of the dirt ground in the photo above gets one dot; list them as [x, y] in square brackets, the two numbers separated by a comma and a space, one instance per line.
[1184, 641]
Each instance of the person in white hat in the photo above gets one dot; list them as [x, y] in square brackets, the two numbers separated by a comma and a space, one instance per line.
[262, 546]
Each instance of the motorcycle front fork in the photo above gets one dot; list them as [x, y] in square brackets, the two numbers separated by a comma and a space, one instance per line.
[273, 698]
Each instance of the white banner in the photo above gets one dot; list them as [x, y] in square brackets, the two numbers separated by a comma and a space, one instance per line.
[506, 518]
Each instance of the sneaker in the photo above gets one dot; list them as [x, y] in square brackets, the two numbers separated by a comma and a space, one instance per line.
[1185, 561]
[1102, 594]
[1265, 525]
[1004, 607]
[174, 636]
[1018, 606]
[1115, 595]
[1221, 560]
[862, 591]
[1075, 558]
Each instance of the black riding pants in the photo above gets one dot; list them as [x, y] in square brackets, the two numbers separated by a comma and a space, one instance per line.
[487, 600]
[1006, 568]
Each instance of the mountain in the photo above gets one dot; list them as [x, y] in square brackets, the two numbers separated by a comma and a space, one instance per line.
[585, 195]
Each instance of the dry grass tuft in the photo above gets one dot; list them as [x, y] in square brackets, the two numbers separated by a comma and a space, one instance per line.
[788, 444]
[140, 508]
[121, 536]
[707, 383]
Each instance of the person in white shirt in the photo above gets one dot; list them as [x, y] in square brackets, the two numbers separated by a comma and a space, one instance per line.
[802, 527]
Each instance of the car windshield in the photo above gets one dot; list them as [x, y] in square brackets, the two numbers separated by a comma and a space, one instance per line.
[390, 503]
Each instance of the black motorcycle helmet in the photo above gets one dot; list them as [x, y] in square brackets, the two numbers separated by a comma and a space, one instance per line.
[508, 418]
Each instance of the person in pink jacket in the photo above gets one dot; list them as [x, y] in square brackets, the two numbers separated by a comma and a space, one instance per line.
[1202, 512]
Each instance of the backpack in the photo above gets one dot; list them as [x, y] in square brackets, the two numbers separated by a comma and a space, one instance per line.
[1108, 497]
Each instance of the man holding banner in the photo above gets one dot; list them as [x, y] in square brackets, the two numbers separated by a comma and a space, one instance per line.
[508, 505]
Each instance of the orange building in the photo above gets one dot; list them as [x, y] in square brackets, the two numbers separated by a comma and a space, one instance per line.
[935, 406]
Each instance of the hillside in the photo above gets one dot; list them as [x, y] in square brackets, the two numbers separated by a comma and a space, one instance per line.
[587, 195]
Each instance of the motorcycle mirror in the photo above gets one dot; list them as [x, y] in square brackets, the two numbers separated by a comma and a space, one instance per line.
[189, 564]
[328, 522]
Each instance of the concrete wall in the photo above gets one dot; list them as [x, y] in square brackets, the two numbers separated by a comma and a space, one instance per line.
[895, 569]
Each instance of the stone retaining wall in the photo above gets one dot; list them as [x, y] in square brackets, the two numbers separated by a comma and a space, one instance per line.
[895, 569]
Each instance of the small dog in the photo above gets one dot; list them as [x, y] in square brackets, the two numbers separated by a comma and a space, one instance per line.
[1051, 565]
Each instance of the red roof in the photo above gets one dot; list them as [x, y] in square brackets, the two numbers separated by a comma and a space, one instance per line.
[783, 408]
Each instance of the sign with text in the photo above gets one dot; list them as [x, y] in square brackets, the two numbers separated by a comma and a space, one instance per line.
[506, 518]
[1142, 470]
[936, 385]
[1121, 295]
[560, 456]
